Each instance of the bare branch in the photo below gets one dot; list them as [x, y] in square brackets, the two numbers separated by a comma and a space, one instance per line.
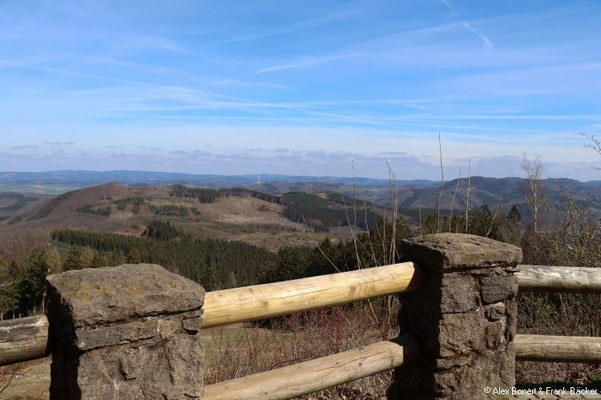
[453, 200]
[441, 185]
[494, 217]
[467, 200]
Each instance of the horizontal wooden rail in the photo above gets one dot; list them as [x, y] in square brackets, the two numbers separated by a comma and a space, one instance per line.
[558, 348]
[274, 299]
[26, 338]
[559, 279]
[23, 339]
[319, 374]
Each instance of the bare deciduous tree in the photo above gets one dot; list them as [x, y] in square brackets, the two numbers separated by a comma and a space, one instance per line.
[467, 199]
[453, 200]
[534, 193]
[441, 186]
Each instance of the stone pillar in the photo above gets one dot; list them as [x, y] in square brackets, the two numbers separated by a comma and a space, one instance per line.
[463, 317]
[129, 332]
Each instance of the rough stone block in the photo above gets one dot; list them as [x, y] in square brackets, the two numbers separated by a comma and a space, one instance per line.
[445, 383]
[461, 334]
[463, 317]
[494, 334]
[449, 251]
[512, 318]
[453, 362]
[495, 311]
[458, 293]
[498, 288]
[127, 332]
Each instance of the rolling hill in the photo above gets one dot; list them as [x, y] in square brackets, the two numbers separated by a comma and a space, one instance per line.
[285, 211]
[262, 219]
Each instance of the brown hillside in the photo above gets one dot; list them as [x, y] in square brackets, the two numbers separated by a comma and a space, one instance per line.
[119, 209]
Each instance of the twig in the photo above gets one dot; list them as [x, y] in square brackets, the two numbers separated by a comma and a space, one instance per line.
[494, 217]
[12, 376]
[317, 245]
[441, 185]
[421, 232]
[453, 200]
[467, 200]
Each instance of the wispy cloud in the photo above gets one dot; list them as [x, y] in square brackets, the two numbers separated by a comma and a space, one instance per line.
[57, 143]
[484, 39]
[358, 78]
[300, 26]
[308, 62]
[468, 25]
[145, 42]
[449, 6]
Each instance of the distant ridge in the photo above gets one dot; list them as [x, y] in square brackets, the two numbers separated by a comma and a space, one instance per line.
[74, 179]
[412, 194]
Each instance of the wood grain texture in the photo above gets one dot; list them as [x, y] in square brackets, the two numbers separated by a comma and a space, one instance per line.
[559, 279]
[558, 348]
[274, 299]
[319, 374]
[23, 339]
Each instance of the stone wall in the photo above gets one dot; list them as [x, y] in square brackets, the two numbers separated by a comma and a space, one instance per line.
[129, 332]
[463, 317]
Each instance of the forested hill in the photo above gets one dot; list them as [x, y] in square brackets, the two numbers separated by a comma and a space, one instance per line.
[216, 264]
[505, 192]
[262, 219]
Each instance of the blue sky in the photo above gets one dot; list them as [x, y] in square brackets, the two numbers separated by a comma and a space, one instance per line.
[300, 87]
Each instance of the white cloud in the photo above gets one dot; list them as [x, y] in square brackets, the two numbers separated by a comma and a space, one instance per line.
[308, 62]
[484, 39]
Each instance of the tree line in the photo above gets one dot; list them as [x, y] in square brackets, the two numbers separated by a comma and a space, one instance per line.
[215, 264]
[305, 208]
[206, 195]
[218, 264]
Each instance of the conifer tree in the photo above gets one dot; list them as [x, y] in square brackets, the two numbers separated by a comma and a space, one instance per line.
[74, 260]
[134, 256]
[98, 260]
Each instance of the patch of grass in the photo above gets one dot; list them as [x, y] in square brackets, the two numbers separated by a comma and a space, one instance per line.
[240, 350]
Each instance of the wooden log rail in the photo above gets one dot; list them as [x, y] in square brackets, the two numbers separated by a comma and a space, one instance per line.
[559, 279]
[25, 338]
[251, 303]
[322, 373]
[558, 348]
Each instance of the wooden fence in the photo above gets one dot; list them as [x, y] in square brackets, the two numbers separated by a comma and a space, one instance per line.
[27, 338]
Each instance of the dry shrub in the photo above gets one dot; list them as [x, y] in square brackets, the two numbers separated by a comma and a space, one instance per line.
[561, 314]
[535, 374]
[294, 339]
[575, 241]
